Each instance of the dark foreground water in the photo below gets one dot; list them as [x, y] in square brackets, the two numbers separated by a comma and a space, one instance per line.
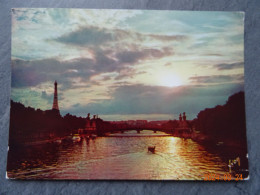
[120, 156]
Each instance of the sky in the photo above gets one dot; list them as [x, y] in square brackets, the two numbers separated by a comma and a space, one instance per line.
[126, 64]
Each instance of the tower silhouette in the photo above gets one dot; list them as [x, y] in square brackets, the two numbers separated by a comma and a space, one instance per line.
[55, 105]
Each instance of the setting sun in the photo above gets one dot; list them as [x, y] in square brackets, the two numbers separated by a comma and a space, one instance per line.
[169, 80]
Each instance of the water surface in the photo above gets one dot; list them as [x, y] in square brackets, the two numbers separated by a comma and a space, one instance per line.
[120, 156]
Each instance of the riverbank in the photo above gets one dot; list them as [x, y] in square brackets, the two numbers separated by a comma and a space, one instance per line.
[230, 150]
[225, 142]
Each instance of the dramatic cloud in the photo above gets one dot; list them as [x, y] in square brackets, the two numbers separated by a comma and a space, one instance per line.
[126, 62]
[140, 99]
[35, 72]
[92, 35]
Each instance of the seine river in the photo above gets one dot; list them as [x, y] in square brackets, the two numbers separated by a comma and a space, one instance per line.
[118, 156]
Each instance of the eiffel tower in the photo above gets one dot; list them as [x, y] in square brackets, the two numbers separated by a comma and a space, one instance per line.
[55, 105]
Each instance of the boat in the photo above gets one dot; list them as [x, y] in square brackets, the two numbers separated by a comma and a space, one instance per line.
[76, 138]
[151, 149]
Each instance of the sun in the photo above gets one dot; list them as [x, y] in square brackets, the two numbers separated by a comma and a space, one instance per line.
[169, 80]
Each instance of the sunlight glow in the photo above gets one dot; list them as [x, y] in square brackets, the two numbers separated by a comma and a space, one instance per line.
[169, 80]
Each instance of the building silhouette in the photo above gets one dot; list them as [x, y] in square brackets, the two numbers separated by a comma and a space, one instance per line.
[55, 105]
[91, 125]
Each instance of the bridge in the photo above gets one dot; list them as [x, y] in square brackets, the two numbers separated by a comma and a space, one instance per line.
[100, 127]
[126, 127]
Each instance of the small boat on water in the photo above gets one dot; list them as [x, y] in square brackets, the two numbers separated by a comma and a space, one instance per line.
[151, 149]
[76, 138]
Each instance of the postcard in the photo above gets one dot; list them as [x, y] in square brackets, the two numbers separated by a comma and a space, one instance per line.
[127, 95]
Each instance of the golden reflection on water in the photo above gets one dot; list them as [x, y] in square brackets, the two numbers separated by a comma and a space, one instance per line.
[124, 156]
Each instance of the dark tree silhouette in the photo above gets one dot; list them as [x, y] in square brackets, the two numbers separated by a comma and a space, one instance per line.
[225, 122]
[28, 124]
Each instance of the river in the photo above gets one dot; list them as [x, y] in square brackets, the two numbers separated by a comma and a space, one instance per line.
[118, 156]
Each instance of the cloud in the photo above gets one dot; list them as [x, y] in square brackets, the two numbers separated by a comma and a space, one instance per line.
[108, 57]
[87, 36]
[168, 37]
[35, 72]
[93, 35]
[229, 66]
[26, 73]
[106, 78]
[141, 72]
[132, 57]
[141, 99]
[217, 79]
[126, 73]
[48, 97]
[31, 98]
[212, 54]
